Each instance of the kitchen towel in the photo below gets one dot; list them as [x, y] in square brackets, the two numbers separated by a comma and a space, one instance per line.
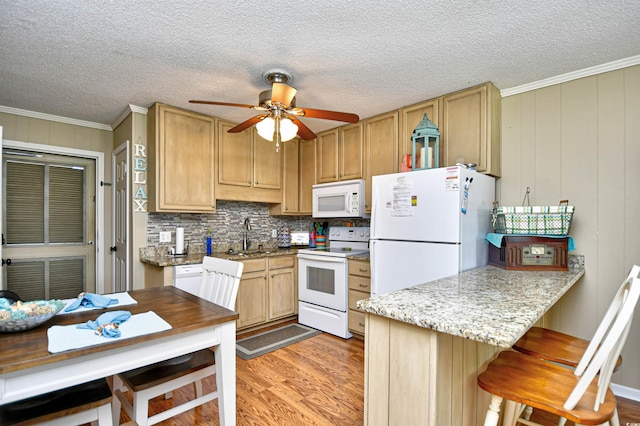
[122, 299]
[107, 324]
[496, 239]
[66, 337]
[91, 300]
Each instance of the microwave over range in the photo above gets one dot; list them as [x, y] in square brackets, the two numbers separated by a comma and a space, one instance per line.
[339, 199]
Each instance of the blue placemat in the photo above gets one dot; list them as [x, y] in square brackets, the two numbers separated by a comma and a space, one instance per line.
[67, 337]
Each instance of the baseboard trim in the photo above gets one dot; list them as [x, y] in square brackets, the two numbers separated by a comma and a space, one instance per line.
[626, 392]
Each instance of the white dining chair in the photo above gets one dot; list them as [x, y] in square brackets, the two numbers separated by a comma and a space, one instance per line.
[220, 282]
[581, 395]
[85, 403]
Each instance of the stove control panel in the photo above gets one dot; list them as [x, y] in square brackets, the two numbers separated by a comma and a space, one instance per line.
[349, 233]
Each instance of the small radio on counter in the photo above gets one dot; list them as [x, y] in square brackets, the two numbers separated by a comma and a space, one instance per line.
[530, 253]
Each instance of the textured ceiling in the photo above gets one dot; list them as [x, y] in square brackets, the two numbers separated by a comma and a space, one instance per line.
[89, 60]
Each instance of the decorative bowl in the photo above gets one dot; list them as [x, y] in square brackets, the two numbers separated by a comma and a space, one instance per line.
[27, 322]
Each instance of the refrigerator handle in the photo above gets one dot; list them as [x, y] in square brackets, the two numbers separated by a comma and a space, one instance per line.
[372, 266]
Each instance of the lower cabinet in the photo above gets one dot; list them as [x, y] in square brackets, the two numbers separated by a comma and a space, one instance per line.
[359, 288]
[268, 291]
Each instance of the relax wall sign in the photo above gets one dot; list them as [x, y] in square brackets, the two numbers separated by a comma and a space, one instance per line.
[140, 177]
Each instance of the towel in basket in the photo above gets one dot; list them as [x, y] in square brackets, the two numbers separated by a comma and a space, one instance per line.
[533, 220]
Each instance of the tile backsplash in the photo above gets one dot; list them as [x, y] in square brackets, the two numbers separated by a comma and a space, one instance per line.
[227, 226]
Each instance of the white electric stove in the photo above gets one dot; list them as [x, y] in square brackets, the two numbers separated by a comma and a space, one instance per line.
[322, 280]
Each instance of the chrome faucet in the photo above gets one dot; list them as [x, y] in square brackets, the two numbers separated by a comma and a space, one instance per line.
[245, 233]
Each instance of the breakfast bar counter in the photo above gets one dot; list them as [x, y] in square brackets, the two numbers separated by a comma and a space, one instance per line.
[425, 345]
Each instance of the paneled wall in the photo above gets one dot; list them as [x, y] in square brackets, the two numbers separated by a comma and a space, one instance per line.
[581, 141]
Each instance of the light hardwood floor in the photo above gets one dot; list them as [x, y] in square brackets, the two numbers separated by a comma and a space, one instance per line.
[318, 381]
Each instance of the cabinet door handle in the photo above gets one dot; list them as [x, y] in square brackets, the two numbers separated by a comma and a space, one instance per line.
[363, 270]
[361, 324]
[364, 285]
[256, 182]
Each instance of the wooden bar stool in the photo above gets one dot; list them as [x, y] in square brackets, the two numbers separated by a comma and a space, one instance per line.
[581, 395]
[559, 347]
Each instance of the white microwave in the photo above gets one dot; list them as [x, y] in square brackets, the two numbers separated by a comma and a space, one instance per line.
[339, 199]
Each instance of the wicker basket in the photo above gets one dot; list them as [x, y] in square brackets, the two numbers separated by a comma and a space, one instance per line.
[533, 220]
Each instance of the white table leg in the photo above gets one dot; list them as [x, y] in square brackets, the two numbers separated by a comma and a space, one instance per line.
[225, 355]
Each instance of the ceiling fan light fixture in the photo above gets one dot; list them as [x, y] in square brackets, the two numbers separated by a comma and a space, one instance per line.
[266, 127]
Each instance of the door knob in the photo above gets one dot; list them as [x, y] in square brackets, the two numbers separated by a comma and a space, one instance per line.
[6, 261]
[113, 249]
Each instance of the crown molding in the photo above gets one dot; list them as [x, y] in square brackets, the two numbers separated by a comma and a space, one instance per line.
[125, 113]
[50, 117]
[563, 78]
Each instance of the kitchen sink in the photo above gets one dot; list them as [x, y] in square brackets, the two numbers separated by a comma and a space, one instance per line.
[251, 252]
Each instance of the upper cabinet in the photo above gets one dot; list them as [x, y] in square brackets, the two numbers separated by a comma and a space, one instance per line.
[410, 117]
[381, 149]
[470, 129]
[182, 162]
[307, 175]
[298, 177]
[339, 154]
[249, 168]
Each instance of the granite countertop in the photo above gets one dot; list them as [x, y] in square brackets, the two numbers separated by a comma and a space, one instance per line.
[152, 257]
[486, 304]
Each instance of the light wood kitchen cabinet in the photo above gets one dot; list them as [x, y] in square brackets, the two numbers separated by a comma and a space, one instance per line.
[290, 180]
[181, 160]
[298, 177]
[251, 303]
[283, 289]
[268, 291]
[359, 288]
[470, 129]
[410, 117]
[381, 149]
[249, 168]
[339, 154]
[307, 175]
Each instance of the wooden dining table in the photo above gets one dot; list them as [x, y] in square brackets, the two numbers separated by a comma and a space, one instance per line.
[27, 368]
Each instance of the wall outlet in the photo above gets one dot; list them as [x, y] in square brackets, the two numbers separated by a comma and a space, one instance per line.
[165, 236]
[274, 233]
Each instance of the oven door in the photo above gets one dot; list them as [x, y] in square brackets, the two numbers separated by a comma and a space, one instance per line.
[322, 280]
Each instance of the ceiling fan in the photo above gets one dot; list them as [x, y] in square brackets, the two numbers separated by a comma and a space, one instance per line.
[280, 119]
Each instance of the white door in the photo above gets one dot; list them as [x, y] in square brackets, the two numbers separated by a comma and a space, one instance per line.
[120, 218]
[49, 223]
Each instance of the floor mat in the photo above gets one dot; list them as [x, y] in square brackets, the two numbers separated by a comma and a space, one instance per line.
[269, 341]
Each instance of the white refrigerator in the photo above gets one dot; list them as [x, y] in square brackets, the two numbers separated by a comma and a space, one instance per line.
[428, 224]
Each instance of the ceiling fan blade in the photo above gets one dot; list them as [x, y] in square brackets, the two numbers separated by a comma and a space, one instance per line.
[303, 131]
[327, 115]
[222, 103]
[282, 94]
[246, 124]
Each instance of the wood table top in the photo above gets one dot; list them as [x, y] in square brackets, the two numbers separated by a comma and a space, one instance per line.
[185, 312]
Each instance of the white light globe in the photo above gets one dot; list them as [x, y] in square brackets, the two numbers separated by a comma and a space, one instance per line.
[265, 128]
[288, 129]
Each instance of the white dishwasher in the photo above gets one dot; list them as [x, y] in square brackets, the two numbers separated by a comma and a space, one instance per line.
[188, 277]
